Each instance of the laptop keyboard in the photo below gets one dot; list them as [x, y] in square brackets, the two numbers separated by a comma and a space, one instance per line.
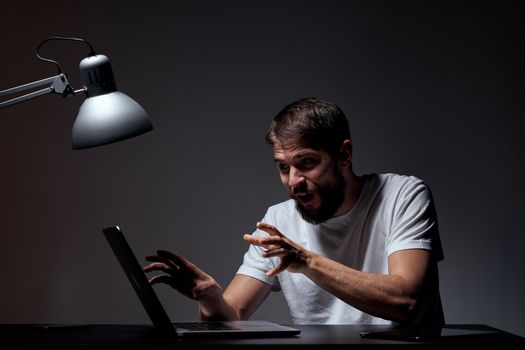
[204, 326]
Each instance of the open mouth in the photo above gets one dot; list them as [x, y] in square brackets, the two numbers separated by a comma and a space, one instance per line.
[304, 198]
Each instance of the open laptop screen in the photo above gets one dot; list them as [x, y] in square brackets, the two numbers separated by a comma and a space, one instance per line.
[138, 279]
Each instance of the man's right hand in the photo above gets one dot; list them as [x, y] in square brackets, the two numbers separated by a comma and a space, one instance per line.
[183, 276]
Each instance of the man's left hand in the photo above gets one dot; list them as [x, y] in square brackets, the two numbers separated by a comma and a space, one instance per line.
[294, 258]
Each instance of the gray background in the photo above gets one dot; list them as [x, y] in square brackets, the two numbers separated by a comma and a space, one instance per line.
[432, 89]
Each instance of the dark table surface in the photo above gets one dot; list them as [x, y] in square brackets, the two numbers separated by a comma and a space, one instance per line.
[29, 336]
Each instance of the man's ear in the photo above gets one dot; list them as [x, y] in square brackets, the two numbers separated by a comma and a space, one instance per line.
[345, 154]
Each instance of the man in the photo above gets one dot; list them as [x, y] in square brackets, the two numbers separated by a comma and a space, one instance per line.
[344, 249]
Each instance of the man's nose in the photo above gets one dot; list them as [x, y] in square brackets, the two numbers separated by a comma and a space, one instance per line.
[296, 180]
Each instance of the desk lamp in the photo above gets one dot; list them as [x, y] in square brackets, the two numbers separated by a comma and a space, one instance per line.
[106, 116]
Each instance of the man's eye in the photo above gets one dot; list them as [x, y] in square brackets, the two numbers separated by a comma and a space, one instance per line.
[284, 168]
[308, 162]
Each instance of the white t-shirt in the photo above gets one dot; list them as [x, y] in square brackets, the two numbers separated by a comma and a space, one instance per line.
[392, 213]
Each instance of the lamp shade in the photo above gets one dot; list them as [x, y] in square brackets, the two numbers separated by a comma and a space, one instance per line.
[107, 115]
[108, 118]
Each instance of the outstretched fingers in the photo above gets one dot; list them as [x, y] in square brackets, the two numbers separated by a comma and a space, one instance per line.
[162, 260]
[278, 251]
[270, 229]
[176, 258]
[161, 279]
[158, 266]
[176, 268]
[183, 264]
[263, 241]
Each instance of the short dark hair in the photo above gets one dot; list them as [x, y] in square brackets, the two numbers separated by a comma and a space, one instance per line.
[311, 122]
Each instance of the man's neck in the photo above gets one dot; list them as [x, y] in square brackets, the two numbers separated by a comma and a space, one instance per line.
[354, 185]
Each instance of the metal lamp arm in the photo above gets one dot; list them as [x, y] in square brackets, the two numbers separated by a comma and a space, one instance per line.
[58, 84]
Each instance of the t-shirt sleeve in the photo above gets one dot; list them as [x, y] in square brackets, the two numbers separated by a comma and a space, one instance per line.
[415, 224]
[255, 265]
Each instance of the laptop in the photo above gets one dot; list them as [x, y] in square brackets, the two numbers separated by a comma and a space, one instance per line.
[160, 318]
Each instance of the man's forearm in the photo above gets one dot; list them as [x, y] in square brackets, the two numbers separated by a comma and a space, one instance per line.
[216, 309]
[394, 296]
[385, 296]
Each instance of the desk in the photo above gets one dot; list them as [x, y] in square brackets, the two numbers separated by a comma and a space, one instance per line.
[146, 337]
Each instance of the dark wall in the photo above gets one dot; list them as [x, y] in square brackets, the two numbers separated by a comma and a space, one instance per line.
[431, 88]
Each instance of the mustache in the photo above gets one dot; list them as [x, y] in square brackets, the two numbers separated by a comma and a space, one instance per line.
[301, 189]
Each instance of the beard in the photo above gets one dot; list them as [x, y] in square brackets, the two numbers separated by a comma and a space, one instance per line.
[331, 197]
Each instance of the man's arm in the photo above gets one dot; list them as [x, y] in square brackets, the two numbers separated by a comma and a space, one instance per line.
[393, 296]
[238, 302]
[243, 296]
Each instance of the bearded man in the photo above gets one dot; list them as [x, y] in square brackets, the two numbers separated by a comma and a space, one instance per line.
[344, 249]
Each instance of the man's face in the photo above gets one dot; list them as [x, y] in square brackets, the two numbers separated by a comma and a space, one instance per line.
[313, 179]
